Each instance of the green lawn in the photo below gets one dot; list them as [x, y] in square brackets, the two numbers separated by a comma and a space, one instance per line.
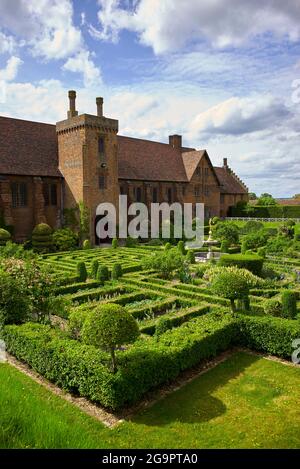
[244, 402]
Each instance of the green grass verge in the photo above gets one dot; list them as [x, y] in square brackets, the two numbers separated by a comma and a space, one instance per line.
[245, 402]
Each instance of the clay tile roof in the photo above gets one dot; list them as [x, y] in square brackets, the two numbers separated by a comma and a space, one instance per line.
[288, 201]
[229, 183]
[150, 161]
[28, 148]
[191, 160]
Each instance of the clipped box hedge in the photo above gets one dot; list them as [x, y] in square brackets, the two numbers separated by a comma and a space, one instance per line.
[147, 364]
[269, 334]
[252, 262]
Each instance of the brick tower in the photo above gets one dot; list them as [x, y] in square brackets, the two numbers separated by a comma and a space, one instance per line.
[87, 158]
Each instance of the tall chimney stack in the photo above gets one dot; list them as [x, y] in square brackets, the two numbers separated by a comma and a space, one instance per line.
[225, 164]
[99, 102]
[175, 141]
[72, 104]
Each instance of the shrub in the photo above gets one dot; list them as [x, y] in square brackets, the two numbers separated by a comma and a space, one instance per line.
[42, 240]
[116, 271]
[227, 231]
[4, 236]
[131, 242]
[14, 304]
[181, 247]
[163, 325]
[65, 239]
[289, 304]
[225, 246]
[114, 243]
[165, 263]
[269, 335]
[16, 251]
[110, 326]
[273, 307]
[230, 285]
[82, 368]
[75, 323]
[278, 244]
[252, 262]
[252, 226]
[262, 252]
[102, 273]
[168, 246]
[94, 269]
[190, 257]
[86, 244]
[255, 240]
[81, 271]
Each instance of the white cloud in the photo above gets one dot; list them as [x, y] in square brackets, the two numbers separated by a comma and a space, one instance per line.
[7, 43]
[238, 116]
[10, 72]
[169, 25]
[45, 25]
[82, 63]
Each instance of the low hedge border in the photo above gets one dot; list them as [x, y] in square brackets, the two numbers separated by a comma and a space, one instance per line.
[147, 364]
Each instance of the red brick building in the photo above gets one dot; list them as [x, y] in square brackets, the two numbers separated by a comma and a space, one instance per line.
[45, 169]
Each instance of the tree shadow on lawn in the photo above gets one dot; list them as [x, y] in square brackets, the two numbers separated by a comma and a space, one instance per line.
[194, 402]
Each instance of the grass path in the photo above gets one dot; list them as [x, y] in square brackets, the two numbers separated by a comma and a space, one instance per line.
[246, 401]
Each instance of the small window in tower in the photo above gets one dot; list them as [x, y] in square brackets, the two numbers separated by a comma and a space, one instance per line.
[154, 195]
[53, 194]
[169, 195]
[206, 191]
[198, 171]
[102, 182]
[206, 172]
[101, 146]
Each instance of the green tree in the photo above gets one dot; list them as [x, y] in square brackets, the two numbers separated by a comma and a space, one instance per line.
[110, 326]
[227, 231]
[94, 269]
[266, 200]
[116, 271]
[165, 263]
[230, 285]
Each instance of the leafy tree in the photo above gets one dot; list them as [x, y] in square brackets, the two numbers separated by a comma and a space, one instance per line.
[166, 262]
[227, 231]
[252, 196]
[266, 200]
[109, 327]
[230, 285]
[190, 257]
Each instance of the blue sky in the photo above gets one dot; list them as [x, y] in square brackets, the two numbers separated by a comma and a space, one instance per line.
[225, 74]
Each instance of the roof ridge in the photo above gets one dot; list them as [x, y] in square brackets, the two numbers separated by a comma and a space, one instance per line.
[26, 120]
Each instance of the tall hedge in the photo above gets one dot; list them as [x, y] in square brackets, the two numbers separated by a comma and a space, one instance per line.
[252, 262]
[289, 304]
[271, 211]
